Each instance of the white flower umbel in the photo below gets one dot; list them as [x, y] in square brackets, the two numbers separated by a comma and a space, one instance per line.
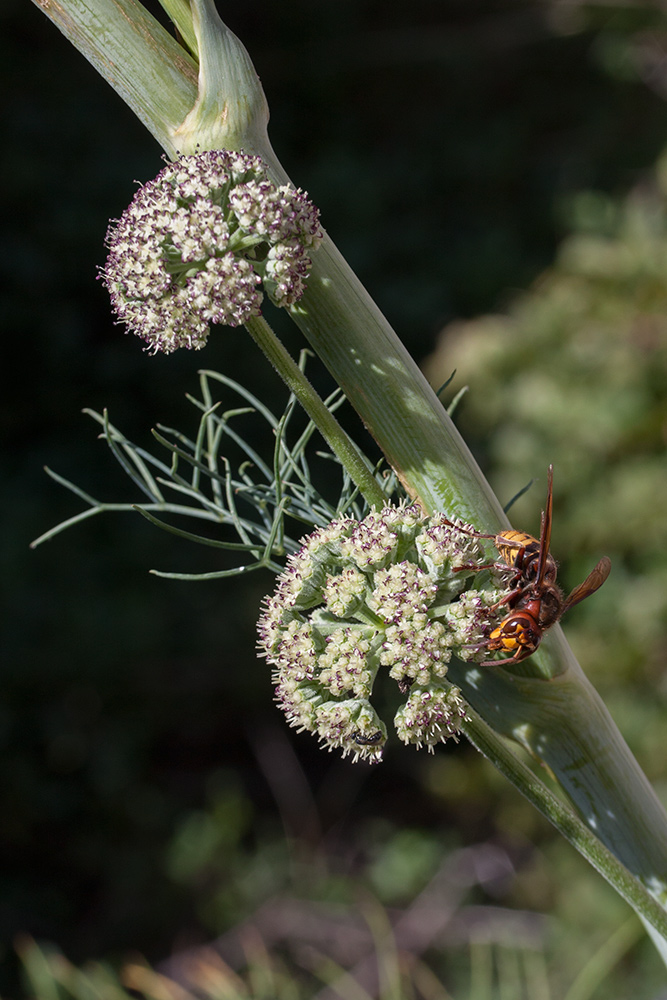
[359, 596]
[202, 243]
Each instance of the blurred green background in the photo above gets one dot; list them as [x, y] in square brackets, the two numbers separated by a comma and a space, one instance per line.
[490, 167]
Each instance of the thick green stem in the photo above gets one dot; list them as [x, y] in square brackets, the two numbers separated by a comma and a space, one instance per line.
[346, 451]
[563, 722]
[354, 340]
[484, 739]
[144, 64]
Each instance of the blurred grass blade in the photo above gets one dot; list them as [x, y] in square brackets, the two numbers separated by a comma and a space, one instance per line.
[451, 409]
[37, 965]
[517, 496]
[603, 961]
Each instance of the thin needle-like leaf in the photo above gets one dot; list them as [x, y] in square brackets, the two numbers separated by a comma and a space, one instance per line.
[231, 505]
[211, 432]
[248, 450]
[222, 428]
[70, 486]
[132, 452]
[215, 543]
[279, 447]
[141, 452]
[445, 384]
[106, 508]
[287, 489]
[205, 390]
[113, 437]
[83, 516]
[218, 574]
[245, 393]
[190, 459]
[181, 486]
[276, 531]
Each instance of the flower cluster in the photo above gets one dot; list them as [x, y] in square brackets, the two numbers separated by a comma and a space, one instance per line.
[202, 242]
[391, 591]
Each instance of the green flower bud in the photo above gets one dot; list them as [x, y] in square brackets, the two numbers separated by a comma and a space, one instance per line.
[387, 593]
[353, 726]
[430, 715]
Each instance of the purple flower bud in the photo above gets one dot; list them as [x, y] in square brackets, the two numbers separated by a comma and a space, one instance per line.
[197, 244]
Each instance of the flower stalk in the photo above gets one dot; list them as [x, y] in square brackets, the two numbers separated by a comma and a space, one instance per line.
[346, 451]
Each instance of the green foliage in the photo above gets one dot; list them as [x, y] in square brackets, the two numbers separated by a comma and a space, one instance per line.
[253, 501]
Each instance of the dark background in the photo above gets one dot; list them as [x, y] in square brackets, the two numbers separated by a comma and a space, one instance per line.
[441, 142]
